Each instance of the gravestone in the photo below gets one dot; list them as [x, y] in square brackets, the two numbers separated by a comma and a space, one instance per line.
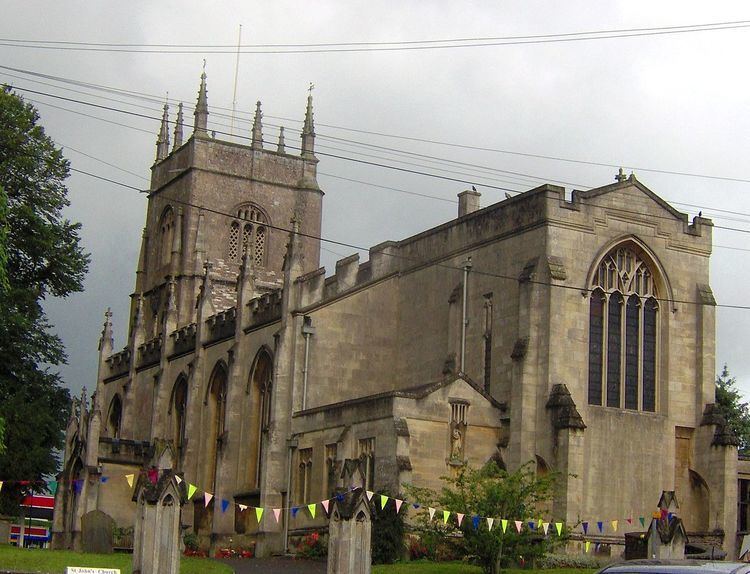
[96, 532]
[666, 537]
[349, 535]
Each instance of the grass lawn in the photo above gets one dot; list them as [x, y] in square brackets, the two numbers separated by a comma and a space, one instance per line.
[55, 561]
[418, 567]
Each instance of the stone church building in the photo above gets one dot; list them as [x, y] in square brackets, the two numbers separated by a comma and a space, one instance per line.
[574, 332]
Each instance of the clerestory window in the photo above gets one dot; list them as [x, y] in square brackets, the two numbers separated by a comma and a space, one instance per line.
[623, 333]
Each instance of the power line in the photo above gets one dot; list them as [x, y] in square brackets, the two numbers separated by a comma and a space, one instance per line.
[400, 256]
[401, 169]
[349, 47]
[157, 99]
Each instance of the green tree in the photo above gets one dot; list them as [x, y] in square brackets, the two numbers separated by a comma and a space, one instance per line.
[43, 258]
[736, 412]
[495, 493]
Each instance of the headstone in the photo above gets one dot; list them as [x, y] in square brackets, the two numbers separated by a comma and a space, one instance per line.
[349, 535]
[666, 535]
[96, 532]
[156, 544]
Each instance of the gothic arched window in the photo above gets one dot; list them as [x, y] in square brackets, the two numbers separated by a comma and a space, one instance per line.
[623, 327]
[114, 420]
[248, 235]
[166, 234]
[214, 429]
[259, 388]
[179, 415]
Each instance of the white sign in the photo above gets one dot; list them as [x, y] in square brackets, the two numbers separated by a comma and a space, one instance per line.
[88, 570]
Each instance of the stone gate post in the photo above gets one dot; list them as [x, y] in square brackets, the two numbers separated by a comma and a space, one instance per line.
[349, 532]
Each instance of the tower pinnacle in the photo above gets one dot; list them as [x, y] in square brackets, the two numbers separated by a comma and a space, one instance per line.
[178, 128]
[162, 142]
[257, 128]
[308, 130]
[281, 148]
[201, 108]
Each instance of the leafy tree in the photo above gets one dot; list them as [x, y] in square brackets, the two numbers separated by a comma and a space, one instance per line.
[43, 258]
[387, 535]
[736, 412]
[495, 493]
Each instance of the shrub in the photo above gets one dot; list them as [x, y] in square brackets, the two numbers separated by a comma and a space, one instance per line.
[191, 542]
[313, 545]
[387, 538]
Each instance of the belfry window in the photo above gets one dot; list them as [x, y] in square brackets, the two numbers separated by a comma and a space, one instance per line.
[623, 329]
[248, 235]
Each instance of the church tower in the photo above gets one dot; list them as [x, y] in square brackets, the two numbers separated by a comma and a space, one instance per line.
[213, 201]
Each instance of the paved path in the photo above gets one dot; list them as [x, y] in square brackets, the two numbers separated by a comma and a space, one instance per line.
[276, 566]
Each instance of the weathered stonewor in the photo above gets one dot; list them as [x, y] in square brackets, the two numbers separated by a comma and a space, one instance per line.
[96, 532]
[157, 525]
[349, 535]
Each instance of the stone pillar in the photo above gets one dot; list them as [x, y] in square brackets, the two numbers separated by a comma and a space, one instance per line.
[157, 524]
[349, 535]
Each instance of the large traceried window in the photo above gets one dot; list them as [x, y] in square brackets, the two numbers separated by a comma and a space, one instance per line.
[248, 235]
[623, 327]
[166, 234]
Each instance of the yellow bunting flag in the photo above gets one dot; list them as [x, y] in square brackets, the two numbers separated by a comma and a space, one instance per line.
[559, 525]
[614, 525]
[432, 512]
[129, 478]
[191, 490]
[258, 513]
[311, 508]
[446, 514]
[207, 496]
[383, 501]
[504, 524]
[1, 484]
[588, 545]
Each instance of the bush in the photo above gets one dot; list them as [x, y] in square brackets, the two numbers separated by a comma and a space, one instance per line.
[549, 561]
[387, 538]
[312, 546]
[191, 542]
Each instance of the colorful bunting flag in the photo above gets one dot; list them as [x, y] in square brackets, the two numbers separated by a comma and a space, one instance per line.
[642, 520]
[295, 510]
[504, 524]
[340, 497]
[243, 507]
[325, 505]
[629, 520]
[153, 475]
[585, 526]
[588, 545]
[600, 525]
[415, 505]
[459, 517]
[664, 513]
[1, 484]
[52, 485]
[519, 524]
[475, 521]
[191, 490]
[383, 501]
[531, 525]
[490, 522]
[545, 527]
[258, 513]
[369, 494]
[432, 512]
[559, 526]
[207, 496]
[398, 504]
[129, 478]
[446, 514]
[614, 525]
[311, 508]
[276, 514]
[178, 479]
[224, 505]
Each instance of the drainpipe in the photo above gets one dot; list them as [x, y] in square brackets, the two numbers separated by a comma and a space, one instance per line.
[464, 317]
[292, 445]
[307, 331]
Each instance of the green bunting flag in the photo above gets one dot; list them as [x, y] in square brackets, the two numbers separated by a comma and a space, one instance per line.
[383, 501]
[588, 545]
[259, 514]
[504, 524]
[191, 490]
[311, 508]
[446, 514]
[643, 521]
[559, 525]
[52, 485]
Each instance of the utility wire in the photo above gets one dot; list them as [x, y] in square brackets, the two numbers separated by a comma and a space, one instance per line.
[402, 169]
[375, 46]
[398, 255]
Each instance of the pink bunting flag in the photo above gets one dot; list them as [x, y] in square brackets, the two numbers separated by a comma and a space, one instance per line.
[207, 496]
[276, 514]
[243, 507]
[398, 504]
[518, 526]
[460, 517]
[490, 522]
[325, 504]
[432, 512]
[369, 494]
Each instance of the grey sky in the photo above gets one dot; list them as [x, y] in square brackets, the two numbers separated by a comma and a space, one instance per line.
[671, 102]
